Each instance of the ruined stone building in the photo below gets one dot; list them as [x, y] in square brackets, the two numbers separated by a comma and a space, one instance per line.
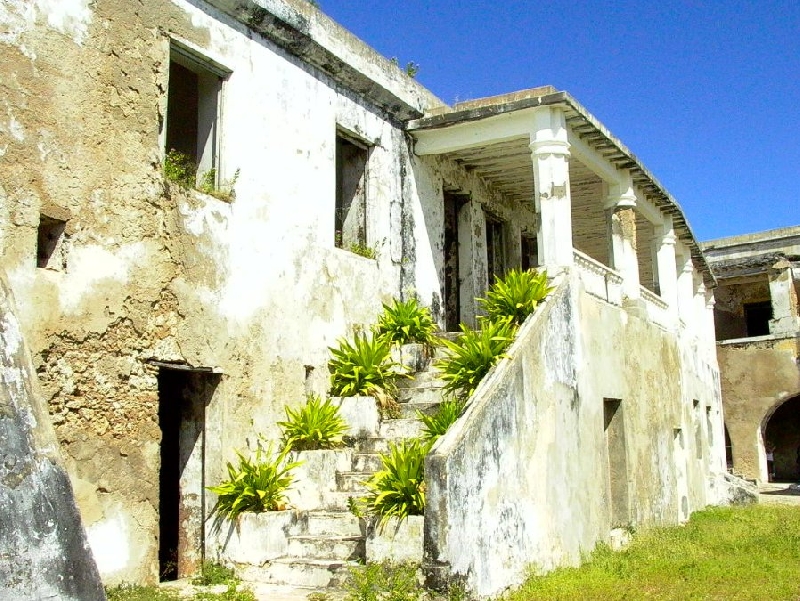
[170, 325]
[758, 337]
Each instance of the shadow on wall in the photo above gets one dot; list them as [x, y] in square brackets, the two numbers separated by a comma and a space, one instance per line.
[40, 527]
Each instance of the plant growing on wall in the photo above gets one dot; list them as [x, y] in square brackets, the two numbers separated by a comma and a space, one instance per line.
[179, 168]
[398, 490]
[315, 425]
[433, 426]
[516, 295]
[365, 367]
[403, 322]
[257, 484]
[362, 250]
[470, 357]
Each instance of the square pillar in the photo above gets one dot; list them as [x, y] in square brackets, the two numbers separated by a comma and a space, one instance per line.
[685, 269]
[784, 299]
[471, 260]
[550, 150]
[621, 218]
[666, 269]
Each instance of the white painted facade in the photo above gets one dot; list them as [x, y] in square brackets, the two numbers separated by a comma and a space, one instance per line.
[255, 290]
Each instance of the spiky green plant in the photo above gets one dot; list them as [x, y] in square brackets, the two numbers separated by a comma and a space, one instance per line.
[470, 357]
[404, 322]
[257, 484]
[398, 489]
[516, 295]
[315, 425]
[433, 426]
[365, 367]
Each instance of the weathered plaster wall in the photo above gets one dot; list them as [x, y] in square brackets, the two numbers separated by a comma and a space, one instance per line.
[731, 296]
[757, 377]
[429, 177]
[44, 553]
[253, 288]
[523, 478]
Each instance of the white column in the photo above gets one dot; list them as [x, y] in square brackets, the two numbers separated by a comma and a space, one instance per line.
[711, 330]
[621, 211]
[666, 269]
[685, 287]
[699, 316]
[550, 150]
[784, 299]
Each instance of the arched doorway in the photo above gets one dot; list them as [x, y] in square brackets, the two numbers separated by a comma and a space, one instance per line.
[783, 431]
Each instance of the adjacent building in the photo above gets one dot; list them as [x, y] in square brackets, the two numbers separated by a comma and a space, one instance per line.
[170, 324]
[758, 333]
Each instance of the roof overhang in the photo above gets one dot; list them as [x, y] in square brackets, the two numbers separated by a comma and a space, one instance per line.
[495, 132]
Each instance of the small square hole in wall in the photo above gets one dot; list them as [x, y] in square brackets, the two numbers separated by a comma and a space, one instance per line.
[50, 251]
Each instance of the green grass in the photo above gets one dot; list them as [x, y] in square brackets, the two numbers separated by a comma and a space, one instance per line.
[739, 553]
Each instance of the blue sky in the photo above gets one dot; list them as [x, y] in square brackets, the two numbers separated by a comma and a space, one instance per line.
[705, 93]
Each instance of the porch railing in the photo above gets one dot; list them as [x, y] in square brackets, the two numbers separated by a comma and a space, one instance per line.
[598, 279]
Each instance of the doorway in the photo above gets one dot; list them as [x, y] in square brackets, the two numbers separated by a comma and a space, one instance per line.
[182, 398]
[452, 275]
[614, 426]
[783, 433]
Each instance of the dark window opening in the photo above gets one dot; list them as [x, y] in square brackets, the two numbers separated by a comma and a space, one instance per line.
[50, 244]
[192, 111]
[698, 430]
[728, 450]
[530, 252]
[757, 317]
[495, 249]
[350, 225]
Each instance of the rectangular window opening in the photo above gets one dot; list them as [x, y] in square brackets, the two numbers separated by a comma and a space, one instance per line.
[193, 104]
[350, 226]
[698, 430]
[757, 317]
[50, 244]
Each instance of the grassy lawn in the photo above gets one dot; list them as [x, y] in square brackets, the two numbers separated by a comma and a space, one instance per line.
[723, 553]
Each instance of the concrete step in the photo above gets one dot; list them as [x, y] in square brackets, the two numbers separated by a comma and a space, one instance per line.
[420, 395]
[367, 462]
[339, 501]
[352, 482]
[371, 445]
[427, 379]
[332, 523]
[310, 573]
[409, 410]
[328, 547]
[394, 429]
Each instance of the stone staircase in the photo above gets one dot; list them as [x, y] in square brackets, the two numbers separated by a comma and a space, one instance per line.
[325, 538]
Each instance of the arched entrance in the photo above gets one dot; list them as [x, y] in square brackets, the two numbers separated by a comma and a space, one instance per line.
[783, 431]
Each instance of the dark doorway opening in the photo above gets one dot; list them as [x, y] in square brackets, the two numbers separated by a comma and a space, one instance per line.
[452, 278]
[182, 398]
[614, 426]
[783, 431]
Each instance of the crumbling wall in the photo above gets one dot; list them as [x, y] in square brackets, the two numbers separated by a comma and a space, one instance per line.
[252, 287]
[44, 552]
[529, 476]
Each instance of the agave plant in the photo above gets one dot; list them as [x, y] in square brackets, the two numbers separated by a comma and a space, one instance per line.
[365, 367]
[398, 490]
[470, 357]
[433, 426]
[405, 321]
[315, 425]
[259, 483]
[516, 295]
